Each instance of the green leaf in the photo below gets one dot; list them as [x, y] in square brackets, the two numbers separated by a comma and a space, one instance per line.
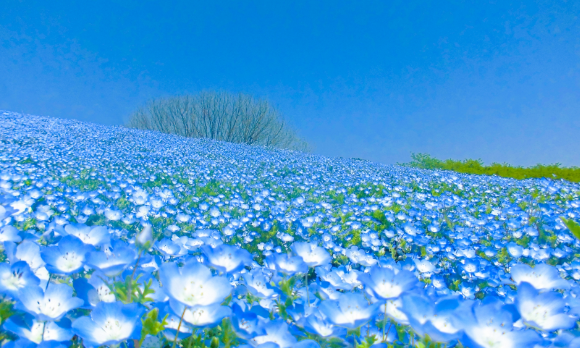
[573, 226]
[151, 326]
[6, 310]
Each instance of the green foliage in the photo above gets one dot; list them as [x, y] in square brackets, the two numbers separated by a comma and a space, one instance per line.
[503, 257]
[573, 226]
[151, 326]
[367, 342]
[471, 166]
[129, 290]
[96, 220]
[222, 335]
[27, 161]
[6, 311]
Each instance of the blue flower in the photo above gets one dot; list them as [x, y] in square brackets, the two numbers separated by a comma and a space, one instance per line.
[312, 254]
[388, 283]
[276, 332]
[544, 311]
[51, 304]
[92, 235]
[93, 290]
[351, 310]
[318, 324]
[24, 343]
[258, 284]
[170, 249]
[109, 324]
[434, 319]
[114, 260]
[193, 284]
[9, 233]
[15, 277]
[26, 251]
[227, 258]
[542, 277]
[491, 325]
[36, 331]
[288, 265]
[201, 316]
[245, 321]
[66, 258]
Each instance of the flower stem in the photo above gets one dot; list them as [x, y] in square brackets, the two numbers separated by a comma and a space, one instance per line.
[306, 283]
[48, 281]
[179, 327]
[385, 320]
[129, 293]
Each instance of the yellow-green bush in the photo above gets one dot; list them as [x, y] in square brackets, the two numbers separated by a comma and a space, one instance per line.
[471, 166]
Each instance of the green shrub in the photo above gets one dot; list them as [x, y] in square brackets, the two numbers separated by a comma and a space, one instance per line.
[471, 166]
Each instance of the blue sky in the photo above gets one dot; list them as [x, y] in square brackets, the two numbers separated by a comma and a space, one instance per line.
[377, 80]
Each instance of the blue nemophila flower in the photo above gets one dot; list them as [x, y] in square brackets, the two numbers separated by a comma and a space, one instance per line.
[288, 265]
[201, 316]
[542, 277]
[26, 251]
[351, 310]
[93, 235]
[109, 324]
[339, 278]
[51, 304]
[334, 277]
[424, 266]
[515, 250]
[67, 257]
[93, 290]
[113, 260]
[9, 234]
[246, 321]
[312, 254]
[15, 277]
[299, 309]
[356, 255]
[434, 319]
[170, 248]
[544, 311]
[36, 331]
[5, 211]
[257, 284]
[318, 324]
[276, 331]
[387, 283]
[226, 258]
[193, 284]
[394, 311]
[491, 326]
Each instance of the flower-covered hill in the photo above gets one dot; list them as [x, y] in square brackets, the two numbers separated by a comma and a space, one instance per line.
[119, 236]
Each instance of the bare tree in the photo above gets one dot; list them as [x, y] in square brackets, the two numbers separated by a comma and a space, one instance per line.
[221, 116]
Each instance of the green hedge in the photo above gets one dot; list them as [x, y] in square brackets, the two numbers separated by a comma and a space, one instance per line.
[471, 166]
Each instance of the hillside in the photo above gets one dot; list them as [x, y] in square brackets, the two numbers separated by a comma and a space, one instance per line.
[251, 245]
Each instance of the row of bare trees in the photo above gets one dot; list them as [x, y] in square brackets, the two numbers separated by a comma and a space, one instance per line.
[236, 118]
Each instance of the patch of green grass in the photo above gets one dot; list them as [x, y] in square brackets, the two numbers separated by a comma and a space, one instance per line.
[471, 166]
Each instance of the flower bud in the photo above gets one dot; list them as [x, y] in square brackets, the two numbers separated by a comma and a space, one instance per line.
[144, 238]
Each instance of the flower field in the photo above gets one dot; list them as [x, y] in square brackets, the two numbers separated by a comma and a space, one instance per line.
[124, 238]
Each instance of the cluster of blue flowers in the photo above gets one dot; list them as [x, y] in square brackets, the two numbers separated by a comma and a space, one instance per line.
[124, 238]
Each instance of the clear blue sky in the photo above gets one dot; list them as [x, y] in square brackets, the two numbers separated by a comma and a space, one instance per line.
[496, 80]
